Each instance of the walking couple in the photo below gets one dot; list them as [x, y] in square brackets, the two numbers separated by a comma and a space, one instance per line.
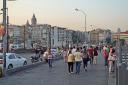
[76, 58]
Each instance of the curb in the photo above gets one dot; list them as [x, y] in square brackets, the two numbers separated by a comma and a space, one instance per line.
[12, 71]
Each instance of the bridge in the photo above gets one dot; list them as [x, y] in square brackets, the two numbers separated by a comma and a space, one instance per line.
[58, 75]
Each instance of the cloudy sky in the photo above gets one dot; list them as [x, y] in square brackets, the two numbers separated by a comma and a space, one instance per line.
[104, 14]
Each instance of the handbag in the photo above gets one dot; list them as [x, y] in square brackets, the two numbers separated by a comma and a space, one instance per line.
[112, 58]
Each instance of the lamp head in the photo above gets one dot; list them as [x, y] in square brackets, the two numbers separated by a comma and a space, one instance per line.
[77, 9]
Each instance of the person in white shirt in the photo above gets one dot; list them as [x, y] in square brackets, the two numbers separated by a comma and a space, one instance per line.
[73, 50]
[50, 57]
[78, 60]
[45, 56]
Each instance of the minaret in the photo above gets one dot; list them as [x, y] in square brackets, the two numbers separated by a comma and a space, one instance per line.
[33, 20]
[118, 30]
[27, 23]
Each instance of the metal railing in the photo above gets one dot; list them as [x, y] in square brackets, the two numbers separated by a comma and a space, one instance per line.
[122, 66]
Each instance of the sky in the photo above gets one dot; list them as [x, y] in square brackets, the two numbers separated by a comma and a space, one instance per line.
[104, 14]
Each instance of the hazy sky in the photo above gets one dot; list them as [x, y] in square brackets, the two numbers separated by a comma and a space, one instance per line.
[100, 13]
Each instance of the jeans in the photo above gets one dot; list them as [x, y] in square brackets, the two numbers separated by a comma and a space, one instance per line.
[78, 64]
[106, 62]
[50, 62]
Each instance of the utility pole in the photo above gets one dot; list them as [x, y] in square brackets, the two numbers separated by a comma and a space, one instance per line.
[84, 21]
[24, 36]
[7, 32]
[4, 37]
[119, 47]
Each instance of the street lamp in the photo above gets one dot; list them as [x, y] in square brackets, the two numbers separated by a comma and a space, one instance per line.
[7, 29]
[85, 19]
[5, 35]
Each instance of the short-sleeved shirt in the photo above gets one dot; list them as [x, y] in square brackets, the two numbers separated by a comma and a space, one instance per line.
[78, 56]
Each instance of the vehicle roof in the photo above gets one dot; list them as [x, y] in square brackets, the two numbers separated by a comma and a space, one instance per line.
[7, 53]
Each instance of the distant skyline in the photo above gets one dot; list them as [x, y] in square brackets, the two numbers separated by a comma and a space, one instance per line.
[105, 14]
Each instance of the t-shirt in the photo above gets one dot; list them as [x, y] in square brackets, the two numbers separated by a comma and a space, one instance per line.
[78, 56]
[90, 51]
[105, 53]
[108, 50]
[85, 55]
[70, 58]
[45, 54]
[50, 56]
[73, 51]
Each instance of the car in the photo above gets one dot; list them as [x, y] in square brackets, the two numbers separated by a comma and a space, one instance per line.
[13, 60]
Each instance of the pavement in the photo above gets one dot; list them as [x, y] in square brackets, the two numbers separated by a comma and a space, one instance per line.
[58, 75]
[112, 79]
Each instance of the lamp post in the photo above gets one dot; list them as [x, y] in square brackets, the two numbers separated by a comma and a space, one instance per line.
[5, 35]
[7, 28]
[7, 31]
[85, 19]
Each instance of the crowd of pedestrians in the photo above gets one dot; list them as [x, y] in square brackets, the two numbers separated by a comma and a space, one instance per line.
[77, 56]
[82, 55]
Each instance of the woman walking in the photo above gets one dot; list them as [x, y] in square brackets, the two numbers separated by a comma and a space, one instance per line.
[85, 58]
[64, 53]
[90, 53]
[78, 60]
[105, 55]
[50, 57]
[112, 59]
[70, 60]
[95, 56]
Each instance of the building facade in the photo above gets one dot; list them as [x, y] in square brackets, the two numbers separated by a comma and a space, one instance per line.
[43, 34]
[100, 36]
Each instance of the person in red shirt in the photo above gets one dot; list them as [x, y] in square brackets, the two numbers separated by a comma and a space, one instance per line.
[90, 53]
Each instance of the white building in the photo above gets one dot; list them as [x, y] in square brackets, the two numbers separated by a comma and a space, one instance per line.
[59, 36]
[68, 38]
[40, 34]
[15, 34]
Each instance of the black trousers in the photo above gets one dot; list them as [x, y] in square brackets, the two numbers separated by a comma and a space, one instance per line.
[85, 62]
[70, 67]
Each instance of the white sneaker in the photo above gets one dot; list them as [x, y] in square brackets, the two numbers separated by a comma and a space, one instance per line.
[72, 72]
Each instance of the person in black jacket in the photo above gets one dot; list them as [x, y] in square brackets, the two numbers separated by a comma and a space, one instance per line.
[95, 56]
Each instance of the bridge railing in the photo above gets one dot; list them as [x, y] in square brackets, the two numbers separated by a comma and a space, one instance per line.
[122, 66]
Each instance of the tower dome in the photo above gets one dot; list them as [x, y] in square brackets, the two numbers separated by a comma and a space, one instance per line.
[33, 20]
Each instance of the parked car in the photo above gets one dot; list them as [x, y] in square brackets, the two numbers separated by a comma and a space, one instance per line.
[13, 60]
